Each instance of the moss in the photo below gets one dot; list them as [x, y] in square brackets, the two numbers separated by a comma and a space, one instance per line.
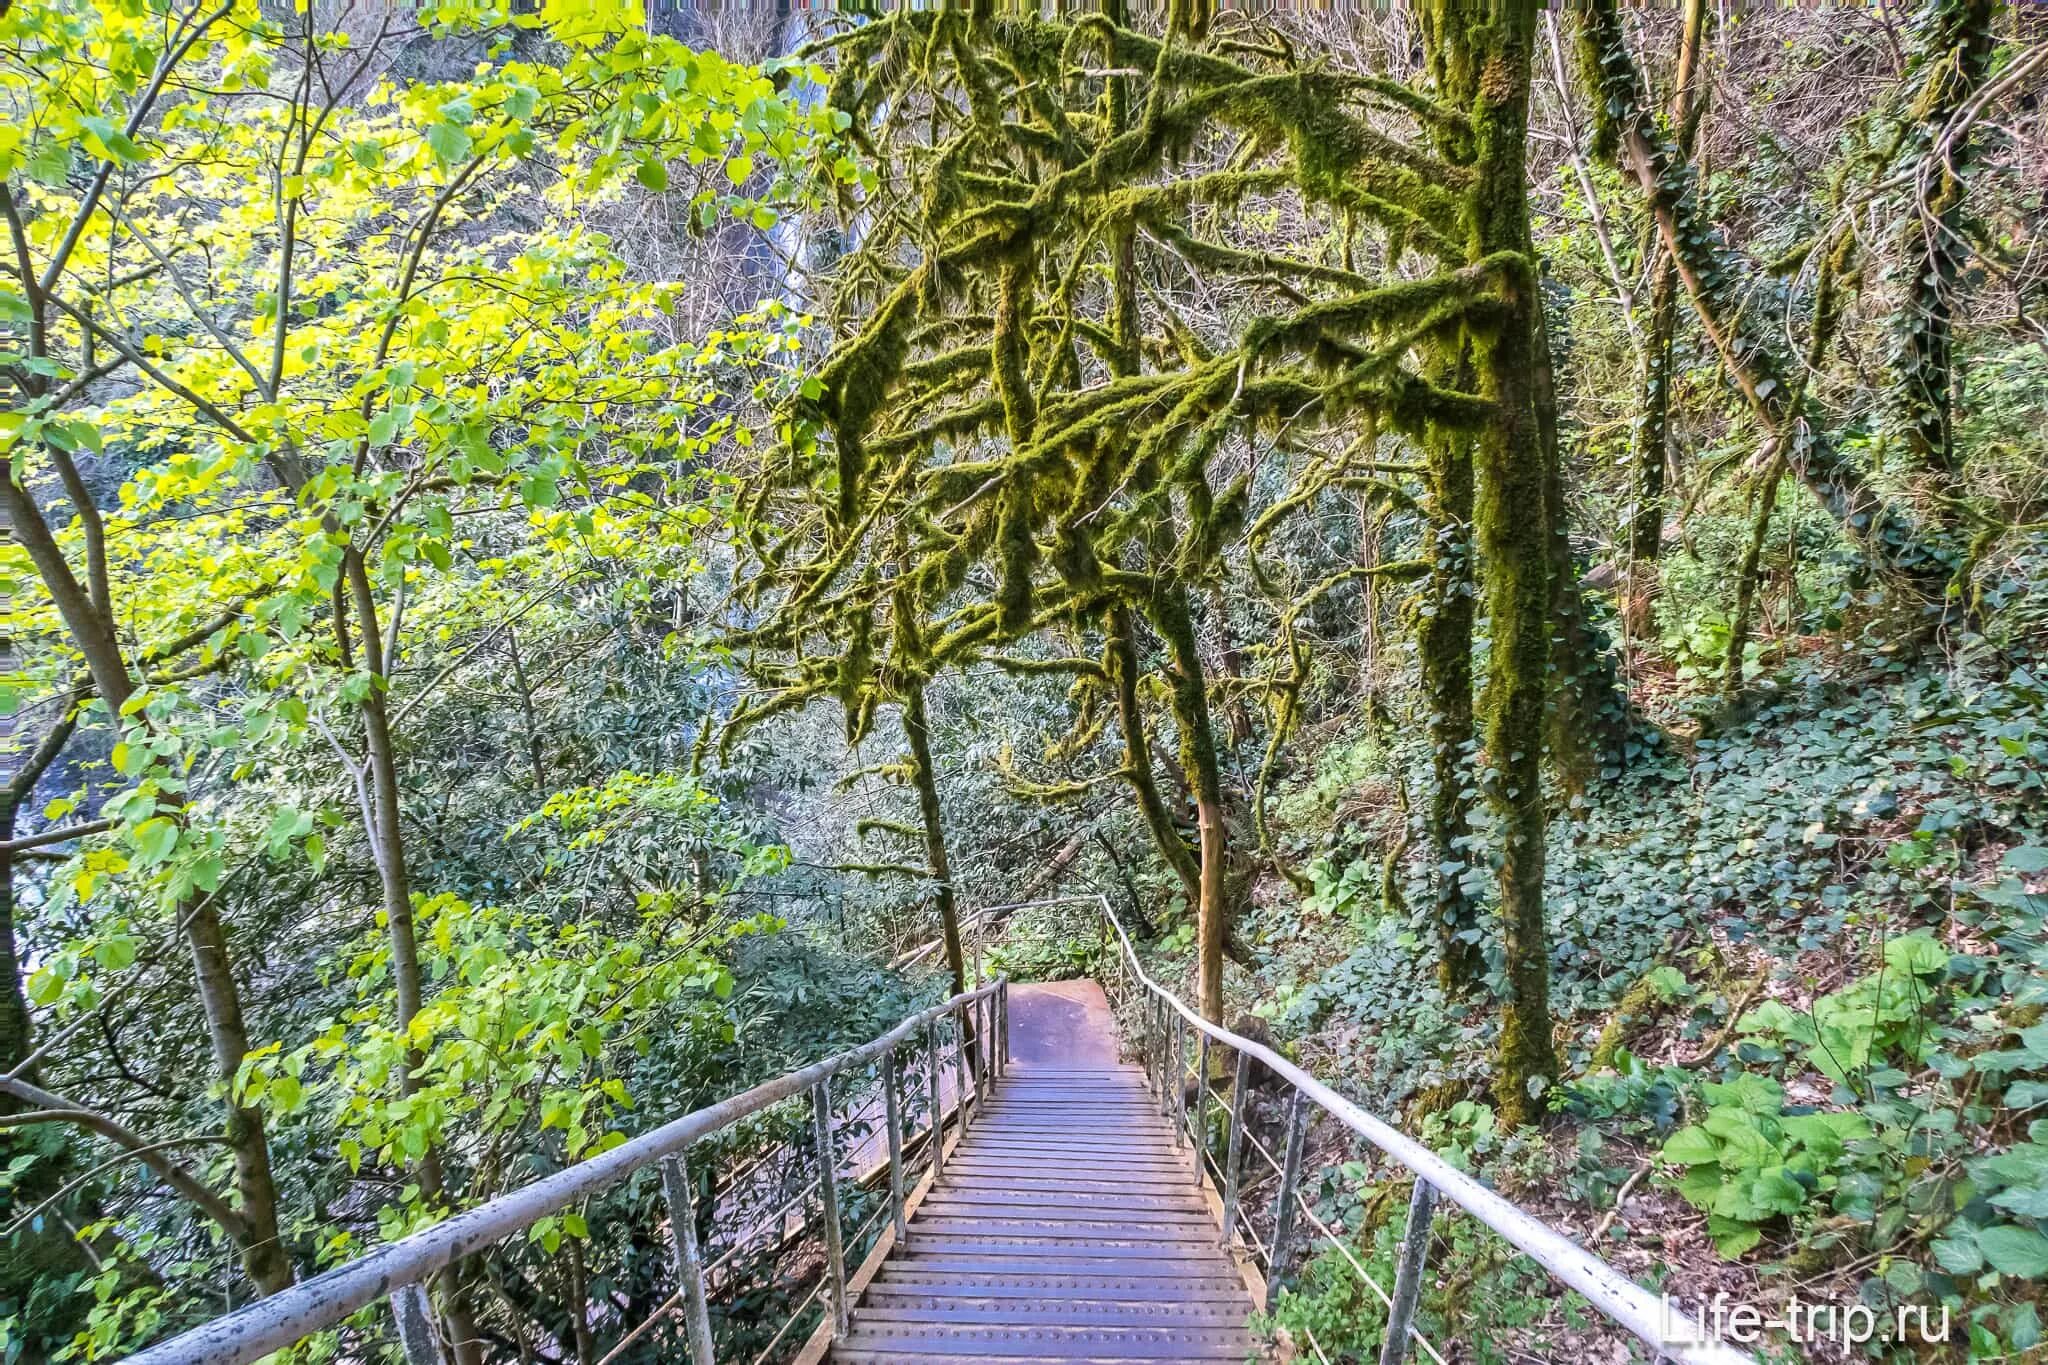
[1747, 344]
[1481, 56]
[1953, 46]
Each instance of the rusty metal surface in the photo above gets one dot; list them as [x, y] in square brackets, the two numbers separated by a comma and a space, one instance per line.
[1066, 1228]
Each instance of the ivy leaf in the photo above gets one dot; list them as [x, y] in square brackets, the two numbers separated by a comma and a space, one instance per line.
[1958, 1253]
[2027, 1203]
[2026, 858]
[2015, 1251]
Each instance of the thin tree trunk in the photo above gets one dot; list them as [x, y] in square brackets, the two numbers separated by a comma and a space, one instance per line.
[220, 1000]
[1827, 315]
[387, 844]
[1123, 672]
[924, 778]
[1652, 455]
[533, 753]
[1746, 574]
[1169, 614]
[1746, 347]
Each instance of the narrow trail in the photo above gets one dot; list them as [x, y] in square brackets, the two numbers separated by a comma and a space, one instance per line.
[1067, 1226]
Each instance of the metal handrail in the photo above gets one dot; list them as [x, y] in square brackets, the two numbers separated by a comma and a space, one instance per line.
[400, 1269]
[1655, 1321]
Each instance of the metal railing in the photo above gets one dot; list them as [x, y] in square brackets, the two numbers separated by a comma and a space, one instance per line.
[401, 1272]
[1176, 1046]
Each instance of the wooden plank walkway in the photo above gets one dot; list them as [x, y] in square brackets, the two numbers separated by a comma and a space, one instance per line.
[1067, 1227]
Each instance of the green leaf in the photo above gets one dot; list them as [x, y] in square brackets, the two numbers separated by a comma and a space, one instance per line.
[1958, 1253]
[652, 172]
[2027, 1203]
[1733, 1239]
[450, 142]
[155, 839]
[2026, 858]
[1776, 1190]
[738, 169]
[50, 164]
[1915, 953]
[2015, 1251]
[1690, 1147]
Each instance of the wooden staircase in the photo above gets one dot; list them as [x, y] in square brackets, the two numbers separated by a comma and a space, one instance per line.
[1067, 1227]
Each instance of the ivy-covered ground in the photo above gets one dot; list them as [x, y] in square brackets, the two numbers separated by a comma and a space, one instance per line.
[1800, 969]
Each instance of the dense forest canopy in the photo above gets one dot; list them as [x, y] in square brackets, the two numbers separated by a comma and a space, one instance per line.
[559, 554]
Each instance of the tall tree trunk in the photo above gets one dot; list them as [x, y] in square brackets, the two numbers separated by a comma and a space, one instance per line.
[1168, 611]
[1747, 346]
[1122, 662]
[1954, 46]
[387, 844]
[220, 1001]
[17, 1029]
[1827, 315]
[1482, 56]
[924, 778]
[1449, 605]
[1652, 454]
[1589, 713]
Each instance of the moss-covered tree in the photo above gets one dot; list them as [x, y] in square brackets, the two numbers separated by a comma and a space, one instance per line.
[1750, 350]
[1481, 58]
[1953, 48]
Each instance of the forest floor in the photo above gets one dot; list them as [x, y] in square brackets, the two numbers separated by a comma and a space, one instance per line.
[1795, 916]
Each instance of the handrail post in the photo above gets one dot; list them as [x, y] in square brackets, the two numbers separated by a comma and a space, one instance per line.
[985, 1055]
[1200, 1132]
[1283, 1211]
[932, 1057]
[1180, 1079]
[1148, 1044]
[828, 1197]
[682, 1227]
[960, 1061]
[413, 1313]
[894, 1115]
[1233, 1161]
[1165, 1098]
[1408, 1273]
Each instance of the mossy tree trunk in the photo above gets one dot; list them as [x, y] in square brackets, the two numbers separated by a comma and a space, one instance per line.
[1123, 672]
[1481, 56]
[1445, 638]
[1744, 339]
[1954, 45]
[1170, 616]
[1652, 436]
[924, 779]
